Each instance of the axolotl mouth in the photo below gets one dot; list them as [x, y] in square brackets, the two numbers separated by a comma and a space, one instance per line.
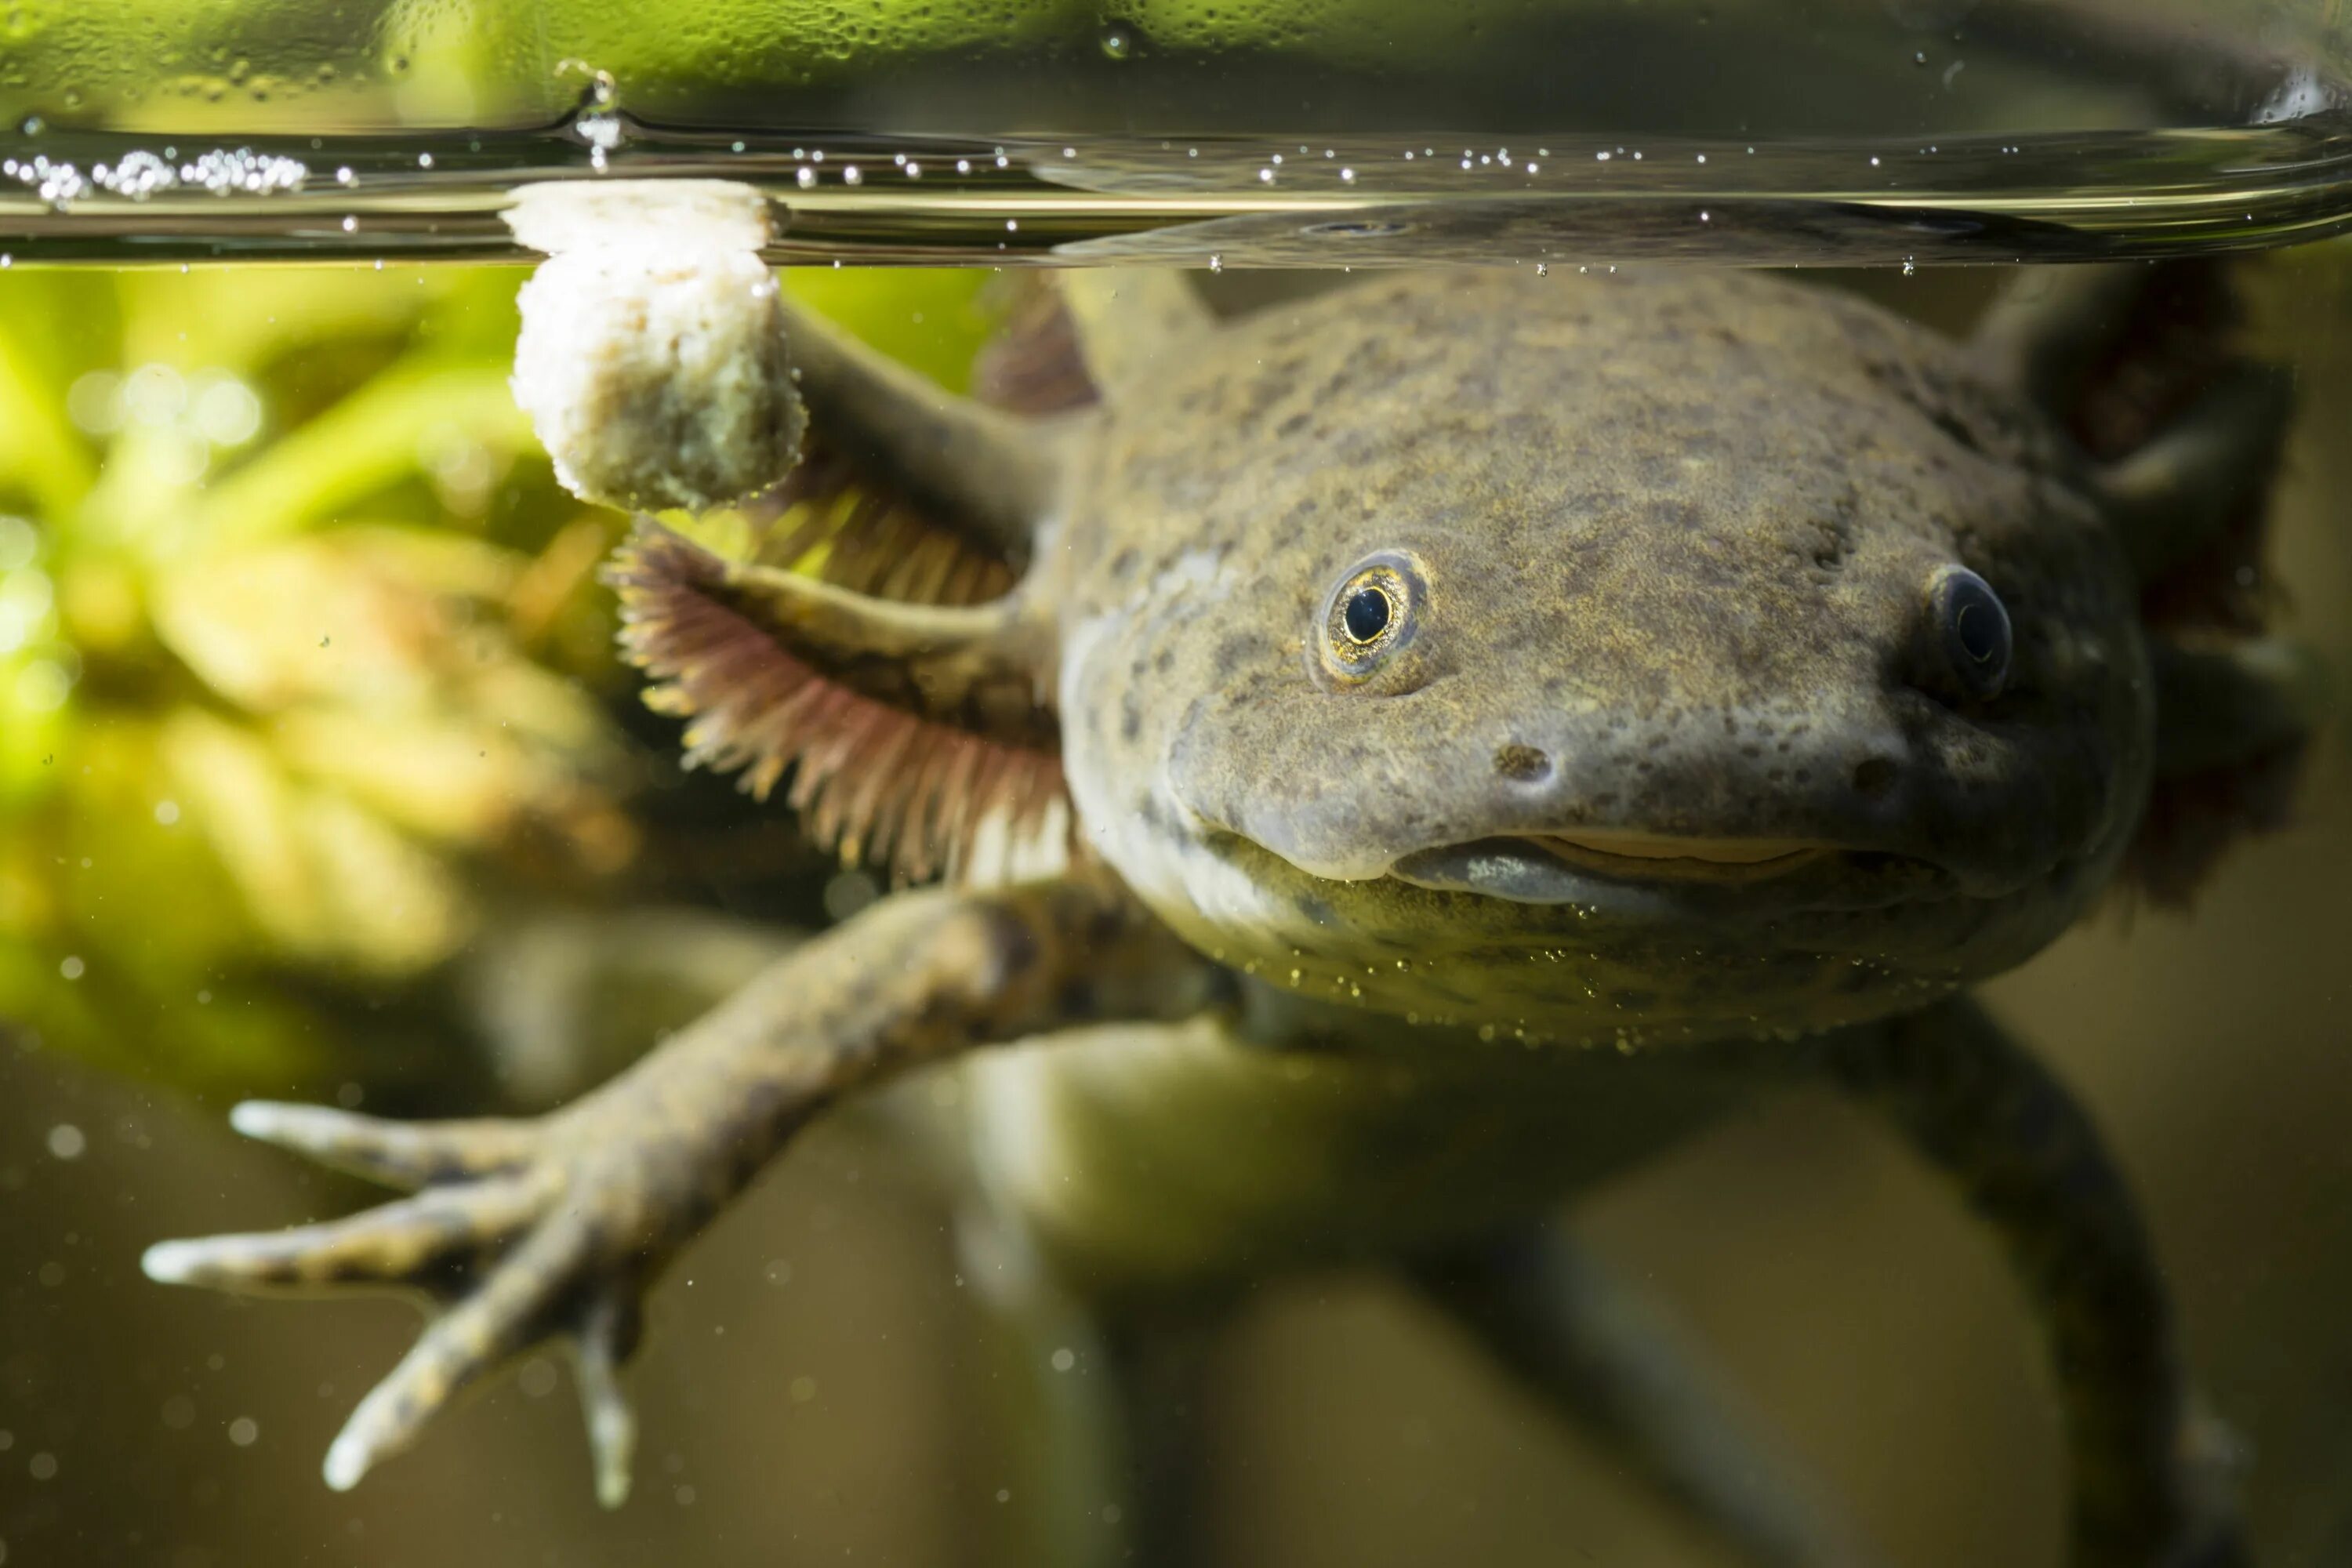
[1563, 868]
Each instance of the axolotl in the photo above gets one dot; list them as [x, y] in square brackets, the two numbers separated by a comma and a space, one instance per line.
[1392, 761]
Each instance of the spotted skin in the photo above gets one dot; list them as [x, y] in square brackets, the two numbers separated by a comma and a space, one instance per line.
[1661, 556]
[557, 1224]
[1658, 615]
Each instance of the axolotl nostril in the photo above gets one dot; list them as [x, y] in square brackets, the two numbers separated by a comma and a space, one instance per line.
[1396, 760]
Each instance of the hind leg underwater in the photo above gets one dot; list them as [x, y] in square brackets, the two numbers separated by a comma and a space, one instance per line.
[2147, 1482]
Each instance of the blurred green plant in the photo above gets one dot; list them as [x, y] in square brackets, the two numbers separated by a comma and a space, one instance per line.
[300, 650]
[141, 64]
[274, 553]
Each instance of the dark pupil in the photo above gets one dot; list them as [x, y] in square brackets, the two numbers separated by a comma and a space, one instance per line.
[1979, 628]
[1366, 614]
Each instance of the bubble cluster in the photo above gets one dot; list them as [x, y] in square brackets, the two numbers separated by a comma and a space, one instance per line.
[138, 176]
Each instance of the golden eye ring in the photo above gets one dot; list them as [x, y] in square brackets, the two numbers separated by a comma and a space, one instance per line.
[1370, 614]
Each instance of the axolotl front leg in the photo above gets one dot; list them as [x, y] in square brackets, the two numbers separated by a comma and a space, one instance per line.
[532, 1230]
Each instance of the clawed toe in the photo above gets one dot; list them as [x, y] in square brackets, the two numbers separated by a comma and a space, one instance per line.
[608, 1334]
[503, 1230]
[398, 1244]
[396, 1154]
[511, 1309]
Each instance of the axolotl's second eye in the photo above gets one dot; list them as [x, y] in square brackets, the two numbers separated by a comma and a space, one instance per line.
[1969, 626]
[1370, 614]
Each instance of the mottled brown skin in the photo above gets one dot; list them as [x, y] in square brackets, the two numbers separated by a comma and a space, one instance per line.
[1666, 547]
[1677, 538]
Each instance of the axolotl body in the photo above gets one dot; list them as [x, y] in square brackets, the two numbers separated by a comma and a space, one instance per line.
[1395, 760]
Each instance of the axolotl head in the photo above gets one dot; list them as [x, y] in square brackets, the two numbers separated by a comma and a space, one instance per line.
[1651, 657]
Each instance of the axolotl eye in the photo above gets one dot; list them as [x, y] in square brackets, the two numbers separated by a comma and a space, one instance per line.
[1969, 628]
[1370, 614]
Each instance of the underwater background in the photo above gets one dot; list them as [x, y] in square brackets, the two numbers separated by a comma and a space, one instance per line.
[319, 779]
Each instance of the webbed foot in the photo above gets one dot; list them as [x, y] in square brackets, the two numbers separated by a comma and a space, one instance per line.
[522, 1232]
